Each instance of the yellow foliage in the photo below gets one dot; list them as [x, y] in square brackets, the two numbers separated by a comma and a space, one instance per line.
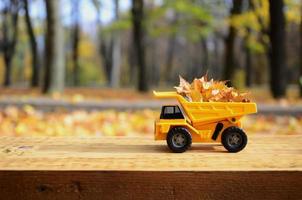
[86, 48]
[293, 11]
[248, 19]
[258, 17]
[251, 19]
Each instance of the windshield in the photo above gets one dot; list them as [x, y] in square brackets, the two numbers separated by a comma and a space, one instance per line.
[171, 112]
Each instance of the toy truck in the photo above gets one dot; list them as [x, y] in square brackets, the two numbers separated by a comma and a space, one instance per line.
[188, 122]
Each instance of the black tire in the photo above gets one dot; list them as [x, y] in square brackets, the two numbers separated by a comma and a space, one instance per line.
[179, 139]
[233, 139]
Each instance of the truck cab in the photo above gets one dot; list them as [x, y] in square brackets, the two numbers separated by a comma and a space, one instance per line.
[171, 115]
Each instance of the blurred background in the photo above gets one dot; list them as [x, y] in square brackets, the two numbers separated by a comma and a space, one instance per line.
[86, 67]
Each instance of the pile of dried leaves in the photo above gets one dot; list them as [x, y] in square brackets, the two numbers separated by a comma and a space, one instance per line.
[204, 90]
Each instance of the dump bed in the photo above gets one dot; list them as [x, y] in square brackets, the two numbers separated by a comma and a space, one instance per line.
[203, 112]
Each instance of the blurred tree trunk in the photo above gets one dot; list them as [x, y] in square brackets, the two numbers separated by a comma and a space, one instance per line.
[75, 41]
[229, 68]
[204, 56]
[152, 57]
[106, 52]
[138, 39]
[132, 61]
[300, 71]
[170, 50]
[116, 52]
[277, 51]
[154, 63]
[54, 49]
[248, 60]
[170, 58]
[105, 45]
[263, 34]
[110, 49]
[10, 36]
[33, 45]
[215, 61]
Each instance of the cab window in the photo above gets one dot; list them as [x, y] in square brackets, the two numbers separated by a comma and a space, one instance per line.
[171, 112]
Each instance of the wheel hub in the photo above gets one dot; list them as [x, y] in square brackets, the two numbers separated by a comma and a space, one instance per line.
[234, 139]
[179, 140]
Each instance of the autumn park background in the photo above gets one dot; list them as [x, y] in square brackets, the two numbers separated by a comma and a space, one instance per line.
[88, 67]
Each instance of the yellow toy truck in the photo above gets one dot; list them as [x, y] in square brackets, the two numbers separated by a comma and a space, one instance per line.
[201, 122]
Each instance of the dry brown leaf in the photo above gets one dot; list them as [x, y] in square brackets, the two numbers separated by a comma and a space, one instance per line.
[184, 87]
[202, 90]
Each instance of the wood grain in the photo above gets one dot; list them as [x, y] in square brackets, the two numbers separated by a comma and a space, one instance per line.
[140, 168]
[150, 185]
[143, 154]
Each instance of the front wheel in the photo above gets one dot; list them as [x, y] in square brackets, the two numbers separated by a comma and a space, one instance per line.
[233, 139]
[179, 139]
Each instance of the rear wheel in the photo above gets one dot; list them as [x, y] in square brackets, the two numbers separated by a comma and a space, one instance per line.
[179, 139]
[233, 139]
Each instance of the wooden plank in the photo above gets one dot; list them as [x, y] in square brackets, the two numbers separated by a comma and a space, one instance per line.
[140, 168]
[263, 153]
[150, 185]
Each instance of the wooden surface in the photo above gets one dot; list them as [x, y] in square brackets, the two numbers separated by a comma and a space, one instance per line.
[53, 153]
[140, 168]
[150, 185]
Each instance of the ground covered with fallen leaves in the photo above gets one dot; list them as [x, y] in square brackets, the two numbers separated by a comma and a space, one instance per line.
[31, 122]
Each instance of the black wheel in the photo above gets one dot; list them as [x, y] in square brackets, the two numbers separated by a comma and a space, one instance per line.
[179, 139]
[233, 139]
